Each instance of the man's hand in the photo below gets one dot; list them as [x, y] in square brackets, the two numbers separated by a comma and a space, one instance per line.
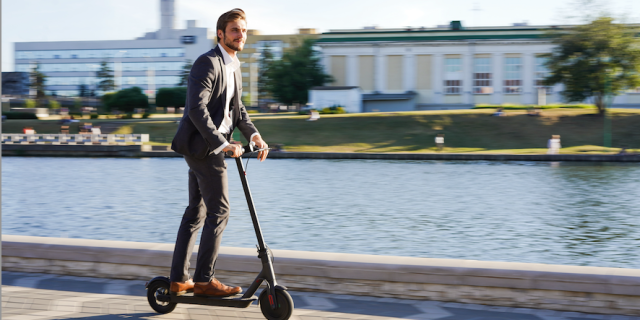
[260, 144]
[236, 150]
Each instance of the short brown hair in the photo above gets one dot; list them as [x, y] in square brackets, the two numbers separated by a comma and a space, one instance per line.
[229, 16]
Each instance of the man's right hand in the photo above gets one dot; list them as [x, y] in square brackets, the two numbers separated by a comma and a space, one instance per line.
[235, 150]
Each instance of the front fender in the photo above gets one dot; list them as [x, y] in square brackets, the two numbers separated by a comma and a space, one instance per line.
[163, 279]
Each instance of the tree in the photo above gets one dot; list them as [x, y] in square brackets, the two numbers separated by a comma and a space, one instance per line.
[290, 78]
[184, 74]
[595, 60]
[266, 58]
[83, 90]
[171, 97]
[126, 100]
[105, 77]
[37, 80]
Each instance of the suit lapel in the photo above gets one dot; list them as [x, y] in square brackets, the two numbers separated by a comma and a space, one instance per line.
[223, 75]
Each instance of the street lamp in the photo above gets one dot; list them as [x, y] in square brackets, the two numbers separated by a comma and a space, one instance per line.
[118, 70]
[253, 77]
[151, 86]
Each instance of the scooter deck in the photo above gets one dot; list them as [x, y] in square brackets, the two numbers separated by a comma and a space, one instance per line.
[232, 301]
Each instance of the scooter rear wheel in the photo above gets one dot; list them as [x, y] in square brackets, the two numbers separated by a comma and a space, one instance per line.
[283, 310]
[156, 288]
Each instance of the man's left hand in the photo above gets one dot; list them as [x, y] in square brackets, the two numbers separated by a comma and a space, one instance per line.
[260, 144]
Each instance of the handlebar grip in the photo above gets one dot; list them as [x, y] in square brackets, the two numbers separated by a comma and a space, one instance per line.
[245, 149]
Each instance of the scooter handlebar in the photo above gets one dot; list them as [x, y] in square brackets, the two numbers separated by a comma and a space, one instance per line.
[251, 147]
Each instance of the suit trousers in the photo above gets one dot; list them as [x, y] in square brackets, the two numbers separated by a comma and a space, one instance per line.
[208, 209]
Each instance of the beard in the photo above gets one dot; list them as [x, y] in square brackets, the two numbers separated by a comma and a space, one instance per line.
[232, 44]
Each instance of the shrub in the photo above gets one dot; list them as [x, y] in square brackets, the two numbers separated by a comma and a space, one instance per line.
[29, 103]
[20, 115]
[336, 109]
[127, 116]
[127, 100]
[145, 115]
[54, 104]
[171, 97]
[94, 116]
[507, 106]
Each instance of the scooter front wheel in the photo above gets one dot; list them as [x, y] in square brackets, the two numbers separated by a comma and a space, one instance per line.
[159, 288]
[284, 307]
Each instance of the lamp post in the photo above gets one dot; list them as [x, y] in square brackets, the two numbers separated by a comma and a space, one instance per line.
[151, 85]
[118, 70]
[253, 75]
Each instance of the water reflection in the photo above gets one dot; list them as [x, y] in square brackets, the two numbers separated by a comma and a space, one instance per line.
[563, 213]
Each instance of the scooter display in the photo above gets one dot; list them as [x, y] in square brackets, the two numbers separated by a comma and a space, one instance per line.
[275, 302]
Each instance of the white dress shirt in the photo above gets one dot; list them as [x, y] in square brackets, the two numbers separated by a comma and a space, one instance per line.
[230, 66]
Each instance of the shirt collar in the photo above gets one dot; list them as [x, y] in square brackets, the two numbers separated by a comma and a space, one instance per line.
[233, 63]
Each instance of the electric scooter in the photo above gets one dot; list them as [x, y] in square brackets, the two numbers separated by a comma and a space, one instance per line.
[275, 302]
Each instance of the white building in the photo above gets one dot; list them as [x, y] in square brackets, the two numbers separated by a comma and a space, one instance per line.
[450, 67]
[150, 62]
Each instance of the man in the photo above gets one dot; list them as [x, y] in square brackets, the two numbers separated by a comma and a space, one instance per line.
[213, 110]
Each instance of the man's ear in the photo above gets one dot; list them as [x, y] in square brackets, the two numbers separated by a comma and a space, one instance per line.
[220, 34]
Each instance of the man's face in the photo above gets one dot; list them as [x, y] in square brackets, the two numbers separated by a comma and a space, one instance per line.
[235, 35]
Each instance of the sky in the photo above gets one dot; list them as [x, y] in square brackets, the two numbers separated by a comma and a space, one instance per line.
[68, 20]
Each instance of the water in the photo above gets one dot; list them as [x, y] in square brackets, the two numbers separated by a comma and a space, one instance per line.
[558, 213]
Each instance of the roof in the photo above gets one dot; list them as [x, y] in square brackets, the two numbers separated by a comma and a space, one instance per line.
[389, 96]
[334, 88]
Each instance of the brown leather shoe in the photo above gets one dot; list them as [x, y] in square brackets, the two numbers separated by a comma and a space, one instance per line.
[215, 289]
[180, 288]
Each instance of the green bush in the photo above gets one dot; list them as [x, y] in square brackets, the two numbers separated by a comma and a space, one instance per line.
[508, 106]
[107, 99]
[29, 103]
[145, 115]
[94, 116]
[336, 109]
[127, 100]
[171, 97]
[54, 104]
[127, 116]
[20, 115]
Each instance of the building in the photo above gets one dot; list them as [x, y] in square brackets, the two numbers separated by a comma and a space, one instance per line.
[255, 45]
[445, 67]
[150, 62]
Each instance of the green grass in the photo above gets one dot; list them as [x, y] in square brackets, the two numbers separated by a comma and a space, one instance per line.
[473, 131]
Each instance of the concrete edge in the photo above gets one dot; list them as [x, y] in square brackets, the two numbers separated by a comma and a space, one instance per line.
[343, 266]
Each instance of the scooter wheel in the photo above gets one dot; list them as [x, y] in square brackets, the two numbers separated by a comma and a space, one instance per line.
[284, 307]
[155, 289]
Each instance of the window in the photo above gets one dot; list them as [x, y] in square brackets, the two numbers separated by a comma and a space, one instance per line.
[453, 75]
[541, 73]
[482, 83]
[513, 76]
[100, 53]
[245, 74]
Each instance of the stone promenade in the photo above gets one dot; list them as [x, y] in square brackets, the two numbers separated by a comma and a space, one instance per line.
[36, 296]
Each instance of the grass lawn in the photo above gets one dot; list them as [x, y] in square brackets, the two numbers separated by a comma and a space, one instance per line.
[581, 131]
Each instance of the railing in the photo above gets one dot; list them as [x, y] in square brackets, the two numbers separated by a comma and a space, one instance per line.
[74, 139]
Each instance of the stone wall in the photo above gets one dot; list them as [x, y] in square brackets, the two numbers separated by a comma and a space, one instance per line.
[557, 287]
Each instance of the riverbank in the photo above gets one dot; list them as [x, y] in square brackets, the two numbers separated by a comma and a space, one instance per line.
[149, 151]
[524, 285]
[466, 131]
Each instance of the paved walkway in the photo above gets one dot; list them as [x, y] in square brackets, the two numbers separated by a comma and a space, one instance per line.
[33, 296]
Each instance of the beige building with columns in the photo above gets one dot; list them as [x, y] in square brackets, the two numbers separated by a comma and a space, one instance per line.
[446, 67]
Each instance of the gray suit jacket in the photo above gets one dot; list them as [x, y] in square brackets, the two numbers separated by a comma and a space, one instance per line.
[198, 133]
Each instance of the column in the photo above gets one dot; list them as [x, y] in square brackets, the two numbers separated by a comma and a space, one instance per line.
[497, 64]
[352, 70]
[326, 63]
[529, 92]
[437, 67]
[467, 78]
[409, 72]
[380, 72]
